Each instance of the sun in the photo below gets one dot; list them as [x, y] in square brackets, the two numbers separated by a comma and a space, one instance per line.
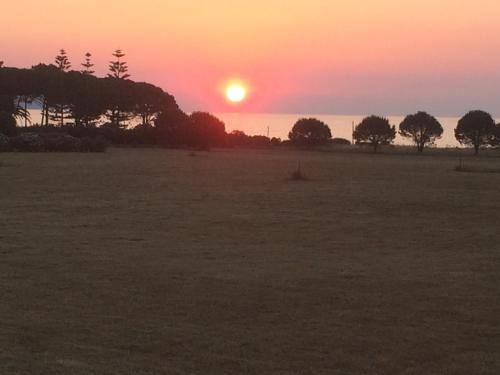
[236, 92]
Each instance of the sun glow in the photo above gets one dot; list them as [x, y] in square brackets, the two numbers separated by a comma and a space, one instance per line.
[236, 92]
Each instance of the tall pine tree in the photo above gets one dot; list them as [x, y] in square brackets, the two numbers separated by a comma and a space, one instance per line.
[59, 109]
[118, 69]
[87, 65]
[62, 61]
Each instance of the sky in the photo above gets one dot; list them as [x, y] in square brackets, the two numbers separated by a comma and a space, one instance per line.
[296, 56]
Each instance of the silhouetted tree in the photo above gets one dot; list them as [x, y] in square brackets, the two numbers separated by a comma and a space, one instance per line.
[340, 142]
[495, 139]
[171, 125]
[376, 131]
[44, 80]
[7, 124]
[237, 138]
[118, 69]
[59, 108]
[475, 129]
[422, 128]
[120, 111]
[87, 65]
[21, 111]
[309, 132]
[62, 61]
[150, 100]
[87, 100]
[204, 130]
[1, 64]
[88, 97]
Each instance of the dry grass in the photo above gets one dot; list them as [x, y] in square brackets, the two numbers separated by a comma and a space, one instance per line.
[155, 262]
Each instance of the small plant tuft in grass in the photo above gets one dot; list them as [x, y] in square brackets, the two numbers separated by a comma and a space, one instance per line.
[297, 175]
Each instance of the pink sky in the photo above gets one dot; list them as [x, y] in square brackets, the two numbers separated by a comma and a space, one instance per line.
[315, 56]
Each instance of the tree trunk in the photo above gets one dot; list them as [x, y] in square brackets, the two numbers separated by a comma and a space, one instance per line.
[26, 111]
[46, 105]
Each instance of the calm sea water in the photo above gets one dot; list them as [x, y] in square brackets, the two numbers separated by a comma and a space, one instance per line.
[278, 125]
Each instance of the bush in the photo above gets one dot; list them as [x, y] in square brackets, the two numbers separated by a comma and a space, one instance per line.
[4, 143]
[275, 141]
[259, 141]
[98, 144]
[61, 143]
[7, 124]
[204, 131]
[27, 142]
[340, 142]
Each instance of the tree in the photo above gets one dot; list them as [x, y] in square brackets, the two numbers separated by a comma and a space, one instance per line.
[495, 139]
[150, 101]
[204, 130]
[118, 69]
[1, 64]
[88, 97]
[7, 124]
[376, 131]
[170, 125]
[309, 132]
[87, 65]
[475, 129]
[87, 100]
[60, 109]
[62, 61]
[422, 128]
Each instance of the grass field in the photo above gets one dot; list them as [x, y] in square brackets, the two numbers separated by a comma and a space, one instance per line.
[161, 262]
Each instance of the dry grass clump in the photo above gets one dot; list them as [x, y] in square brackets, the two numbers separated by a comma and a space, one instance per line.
[297, 175]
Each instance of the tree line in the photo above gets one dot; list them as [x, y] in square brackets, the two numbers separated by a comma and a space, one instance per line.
[79, 97]
[76, 103]
[476, 128]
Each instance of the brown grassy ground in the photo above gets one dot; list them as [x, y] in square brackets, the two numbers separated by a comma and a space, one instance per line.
[158, 262]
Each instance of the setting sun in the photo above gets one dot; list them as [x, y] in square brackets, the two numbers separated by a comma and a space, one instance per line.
[236, 92]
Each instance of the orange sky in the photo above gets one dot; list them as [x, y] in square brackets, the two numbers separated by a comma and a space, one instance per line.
[314, 56]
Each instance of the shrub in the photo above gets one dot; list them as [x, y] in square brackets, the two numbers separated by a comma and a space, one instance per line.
[340, 142]
[98, 144]
[7, 124]
[61, 143]
[4, 143]
[28, 142]
[275, 141]
[204, 131]
[259, 141]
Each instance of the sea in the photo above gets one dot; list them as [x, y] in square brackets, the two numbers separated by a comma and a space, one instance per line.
[279, 125]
